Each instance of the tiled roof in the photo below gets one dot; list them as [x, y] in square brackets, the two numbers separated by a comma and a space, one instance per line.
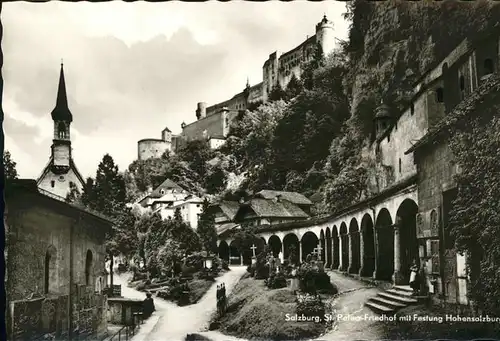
[293, 197]
[274, 209]
[230, 208]
[227, 228]
[166, 185]
[489, 90]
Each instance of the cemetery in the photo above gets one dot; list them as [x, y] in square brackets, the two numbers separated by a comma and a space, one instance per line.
[186, 282]
[279, 299]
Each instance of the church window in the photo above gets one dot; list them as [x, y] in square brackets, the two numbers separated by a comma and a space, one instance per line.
[52, 183]
[462, 83]
[88, 268]
[488, 66]
[400, 165]
[440, 95]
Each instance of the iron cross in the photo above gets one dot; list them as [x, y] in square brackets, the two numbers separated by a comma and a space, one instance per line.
[253, 249]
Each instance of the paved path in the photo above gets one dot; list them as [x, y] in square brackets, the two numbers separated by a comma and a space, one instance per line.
[350, 302]
[171, 322]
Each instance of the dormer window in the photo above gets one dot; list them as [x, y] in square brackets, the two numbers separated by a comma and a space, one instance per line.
[162, 191]
[52, 183]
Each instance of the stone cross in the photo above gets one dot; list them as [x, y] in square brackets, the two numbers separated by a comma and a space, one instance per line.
[253, 249]
[318, 251]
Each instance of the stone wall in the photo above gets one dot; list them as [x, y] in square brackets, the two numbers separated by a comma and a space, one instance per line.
[152, 148]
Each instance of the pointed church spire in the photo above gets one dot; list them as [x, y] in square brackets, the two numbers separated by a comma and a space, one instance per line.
[61, 111]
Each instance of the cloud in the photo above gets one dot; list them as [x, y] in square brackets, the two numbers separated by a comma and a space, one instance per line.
[129, 77]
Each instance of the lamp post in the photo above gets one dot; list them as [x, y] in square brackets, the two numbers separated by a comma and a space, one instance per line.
[207, 260]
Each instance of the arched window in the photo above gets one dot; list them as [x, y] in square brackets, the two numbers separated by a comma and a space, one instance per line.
[61, 130]
[462, 83]
[50, 270]
[399, 165]
[488, 66]
[88, 268]
[412, 109]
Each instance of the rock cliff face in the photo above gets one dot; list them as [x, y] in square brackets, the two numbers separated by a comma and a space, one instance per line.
[392, 43]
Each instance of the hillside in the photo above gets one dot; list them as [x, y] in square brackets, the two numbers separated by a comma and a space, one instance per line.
[309, 137]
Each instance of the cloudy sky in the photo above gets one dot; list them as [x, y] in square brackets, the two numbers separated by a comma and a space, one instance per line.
[134, 68]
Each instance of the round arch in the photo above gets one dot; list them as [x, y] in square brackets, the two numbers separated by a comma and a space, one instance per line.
[224, 250]
[291, 248]
[275, 245]
[322, 240]
[344, 240]
[355, 247]
[368, 246]
[234, 254]
[309, 242]
[328, 258]
[408, 244]
[385, 245]
[336, 245]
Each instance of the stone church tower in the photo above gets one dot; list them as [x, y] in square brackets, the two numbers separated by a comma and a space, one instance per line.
[60, 173]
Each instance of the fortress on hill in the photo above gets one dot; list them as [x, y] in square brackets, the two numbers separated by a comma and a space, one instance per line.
[212, 122]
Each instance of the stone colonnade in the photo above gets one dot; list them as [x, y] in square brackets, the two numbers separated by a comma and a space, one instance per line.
[378, 242]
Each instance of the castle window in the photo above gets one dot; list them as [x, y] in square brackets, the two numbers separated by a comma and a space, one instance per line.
[440, 95]
[462, 83]
[412, 109]
[400, 165]
[52, 183]
[488, 66]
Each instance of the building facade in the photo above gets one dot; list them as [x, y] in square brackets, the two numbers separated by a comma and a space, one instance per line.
[60, 173]
[169, 197]
[403, 216]
[55, 265]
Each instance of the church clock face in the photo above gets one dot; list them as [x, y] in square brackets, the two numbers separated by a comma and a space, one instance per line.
[61, 178]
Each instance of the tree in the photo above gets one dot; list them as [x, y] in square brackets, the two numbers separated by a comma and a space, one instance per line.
[294, 88]
[277, 93]
[108, 188]
[9, 166]
[73, 194]
[206, 229]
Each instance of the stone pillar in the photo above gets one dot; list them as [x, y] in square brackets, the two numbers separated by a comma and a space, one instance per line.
[361, 254]
[300, 251]
[375, 240]
[229, 261]
[241, 259]
[282, 253]
[340, 252]
[397, 277]
[351, 256]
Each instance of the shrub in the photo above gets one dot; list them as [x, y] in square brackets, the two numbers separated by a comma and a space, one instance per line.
[310, 305]
[312, 280]
[195, 260]
[224, 264]
[276, 281]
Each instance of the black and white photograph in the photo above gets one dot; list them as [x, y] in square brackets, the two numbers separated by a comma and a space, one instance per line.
[251, 170]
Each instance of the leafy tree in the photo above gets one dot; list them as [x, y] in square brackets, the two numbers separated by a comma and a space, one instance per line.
[73, 194]
[294, 88]
[9, 166]
[216, 180]
[124, 239]
[206, 229]
[277, 93]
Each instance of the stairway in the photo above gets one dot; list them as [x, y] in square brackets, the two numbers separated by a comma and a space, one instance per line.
[391, 300]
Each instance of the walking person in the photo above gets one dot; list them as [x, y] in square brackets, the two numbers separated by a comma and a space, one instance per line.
[224, 298]
[218, 297]
[414, 278]
[148, 306]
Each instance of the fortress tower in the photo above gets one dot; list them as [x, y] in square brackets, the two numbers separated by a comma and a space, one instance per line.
[155, 148]
[325, 35]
